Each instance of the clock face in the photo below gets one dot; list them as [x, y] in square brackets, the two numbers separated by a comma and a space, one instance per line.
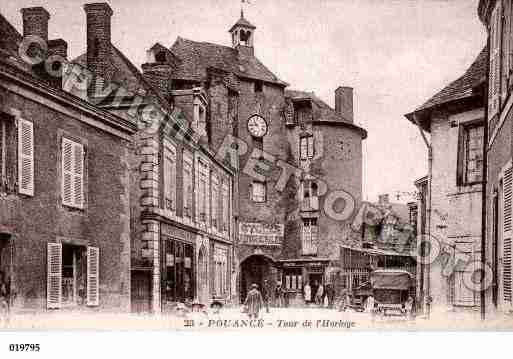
[257, 126]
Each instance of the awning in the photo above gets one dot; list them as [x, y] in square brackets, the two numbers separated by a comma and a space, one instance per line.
[380, 252]
[383, 279]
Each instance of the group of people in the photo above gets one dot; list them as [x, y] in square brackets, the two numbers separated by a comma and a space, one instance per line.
[322, 297]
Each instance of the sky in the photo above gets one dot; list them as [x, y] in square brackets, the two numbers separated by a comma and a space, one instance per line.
[395, 54]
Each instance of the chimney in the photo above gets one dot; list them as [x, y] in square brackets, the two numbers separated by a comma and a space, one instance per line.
[344, 102]
[35, 22]
[99, 46]
[383, 199]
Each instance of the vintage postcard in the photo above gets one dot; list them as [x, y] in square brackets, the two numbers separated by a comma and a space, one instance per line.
[256, 165]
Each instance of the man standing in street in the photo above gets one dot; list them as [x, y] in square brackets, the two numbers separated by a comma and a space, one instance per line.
[253, 302]
[266, 294]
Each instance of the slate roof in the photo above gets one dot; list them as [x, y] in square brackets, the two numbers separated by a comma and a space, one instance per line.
[327, 112]
[243, 22]
[195, 57]
[126, 75]
[10, 37]
[464, 86]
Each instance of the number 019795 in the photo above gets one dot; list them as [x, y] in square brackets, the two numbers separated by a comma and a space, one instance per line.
[24, 347]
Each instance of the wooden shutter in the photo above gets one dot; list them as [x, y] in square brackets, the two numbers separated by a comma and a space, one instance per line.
[495, 62]
[54, 276]
[72, 173]
[507, 233]
[93, 276]
[505, 33]
[26, 157]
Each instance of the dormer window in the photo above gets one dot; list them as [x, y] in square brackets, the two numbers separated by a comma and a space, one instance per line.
[160, 56]
[259, 86]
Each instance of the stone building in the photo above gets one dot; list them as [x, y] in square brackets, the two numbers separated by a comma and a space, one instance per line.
[64, 189]
[497, 18]
[454, 118]
[298, 162]
[181, 212]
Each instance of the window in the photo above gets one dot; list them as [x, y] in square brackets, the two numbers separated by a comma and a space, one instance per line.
[225, 200]
[7, 155]
[72, 173]
[309, 236]
[220, 271]
[160, 56]
[495, 60]
[215, 201]
[258, 191]
[72, 275]
[169, 176]
[470, 155]
[306, 147]
[187, 185]
[293, 279]
[259, 86]
[202, 197]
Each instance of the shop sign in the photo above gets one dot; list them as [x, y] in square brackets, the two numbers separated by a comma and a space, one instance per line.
[261, 234]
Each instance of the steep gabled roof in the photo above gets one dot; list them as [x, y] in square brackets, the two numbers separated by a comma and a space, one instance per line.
[10, 37]
[462, 88]
[126, 75]
[195, 57]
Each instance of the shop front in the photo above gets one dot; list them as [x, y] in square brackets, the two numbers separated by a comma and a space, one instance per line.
[178, 266]
[296, 273]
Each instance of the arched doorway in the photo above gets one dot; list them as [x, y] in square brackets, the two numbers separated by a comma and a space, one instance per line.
[254, 269]
[202, 276]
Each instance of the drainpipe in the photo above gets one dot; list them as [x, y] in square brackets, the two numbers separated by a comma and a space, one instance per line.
[483, 191]
[428, 210]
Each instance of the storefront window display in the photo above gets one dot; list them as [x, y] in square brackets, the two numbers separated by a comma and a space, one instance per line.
[178, 276]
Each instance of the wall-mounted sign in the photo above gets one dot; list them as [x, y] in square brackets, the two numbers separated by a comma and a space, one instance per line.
[261, 234]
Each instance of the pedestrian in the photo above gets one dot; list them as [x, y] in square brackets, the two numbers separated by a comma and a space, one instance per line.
[330, 293]
[370, 304]
[253, 302]
[266, 294]
[307, 292]
[4, 300]
[408, 307]
[319, 295]
[278, 295]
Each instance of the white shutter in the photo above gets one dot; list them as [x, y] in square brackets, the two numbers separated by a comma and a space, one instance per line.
[72, 173]
[78, 181]
[93, 276]
[507, 234]
[495, 61]
[26, 157]
[54, 276]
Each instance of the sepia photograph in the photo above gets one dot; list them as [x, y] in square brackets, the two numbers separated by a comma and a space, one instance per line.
[255, 166]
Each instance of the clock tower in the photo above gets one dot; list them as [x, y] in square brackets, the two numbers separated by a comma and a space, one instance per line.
[243, 33]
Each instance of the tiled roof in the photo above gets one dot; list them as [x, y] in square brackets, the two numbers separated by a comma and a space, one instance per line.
[244, 23]
[126, 74]
[464, 86]
[196, 57]
[10, 37]
[327, 113]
